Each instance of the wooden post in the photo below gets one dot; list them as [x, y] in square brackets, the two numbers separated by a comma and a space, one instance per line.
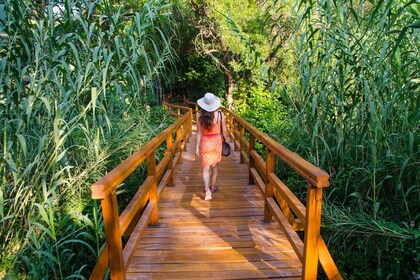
[184, 133]
[227, 121]
[190, 118]
[151, 171]
[169, 142]
[312, 232]
[241, 135]
[179, 137]
[251, 159]
[232, 123]
[113, 236]
[268, 185]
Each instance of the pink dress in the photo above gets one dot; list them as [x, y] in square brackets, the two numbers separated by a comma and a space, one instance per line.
[211, 145]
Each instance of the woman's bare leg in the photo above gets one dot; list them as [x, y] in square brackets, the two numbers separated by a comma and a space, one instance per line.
[213, 176]
[206, 177]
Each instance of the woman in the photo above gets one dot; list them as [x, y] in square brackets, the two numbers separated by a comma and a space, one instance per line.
[209, 140]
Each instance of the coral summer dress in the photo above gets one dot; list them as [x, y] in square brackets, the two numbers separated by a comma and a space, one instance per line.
[211, 144]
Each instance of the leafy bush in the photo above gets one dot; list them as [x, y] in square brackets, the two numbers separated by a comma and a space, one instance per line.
[264, 110]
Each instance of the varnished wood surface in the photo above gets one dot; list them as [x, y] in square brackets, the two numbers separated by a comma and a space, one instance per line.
[224, 238]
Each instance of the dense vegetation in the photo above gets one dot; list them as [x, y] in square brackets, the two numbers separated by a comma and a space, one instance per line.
[76, 87]
[335, 81]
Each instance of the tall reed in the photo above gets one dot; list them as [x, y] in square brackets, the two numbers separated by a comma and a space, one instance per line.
[356, 103]
[65, 80]
[355, 113]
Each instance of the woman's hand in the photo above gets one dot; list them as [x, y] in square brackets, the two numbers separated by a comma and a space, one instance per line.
[197, 151]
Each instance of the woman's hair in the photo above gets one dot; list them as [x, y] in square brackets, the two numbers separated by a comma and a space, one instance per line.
[206, 119]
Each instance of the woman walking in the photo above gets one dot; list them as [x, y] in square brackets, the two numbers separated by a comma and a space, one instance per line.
[210, 124]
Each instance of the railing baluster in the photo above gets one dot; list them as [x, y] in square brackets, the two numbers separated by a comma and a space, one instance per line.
[151, 171]
[241, 136]
[169, 142]
[179, 139]
[113, 236]
[184, 132]
[251, 159]
[269, 192]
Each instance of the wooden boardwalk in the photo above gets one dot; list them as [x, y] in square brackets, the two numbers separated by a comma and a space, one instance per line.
[224, 238]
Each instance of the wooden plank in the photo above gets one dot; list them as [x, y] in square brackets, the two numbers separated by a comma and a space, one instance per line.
[216, 251]
[244, 157]
[213, 266]
[132, 242]
[203, 257]
[135, 204]
[258, 180]
[162, 166]
[327, 261]
[260, 165]
[166, 178]
[292, 201]
[292, 236]
[101, 265]
[240, 274]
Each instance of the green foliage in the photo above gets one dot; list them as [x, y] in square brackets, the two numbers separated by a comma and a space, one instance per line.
[352, 96]
[356, 115]
[73, 86]
[264, 39]
[201, 75]
[264, 110]
[372, 249]
[352, 102]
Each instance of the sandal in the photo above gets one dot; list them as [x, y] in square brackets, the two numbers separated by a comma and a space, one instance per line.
[208, 196]
[214, 188]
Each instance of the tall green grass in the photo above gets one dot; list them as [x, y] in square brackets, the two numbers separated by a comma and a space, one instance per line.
[356, 104]
[357, 99]
[68, 84]
[355, 113]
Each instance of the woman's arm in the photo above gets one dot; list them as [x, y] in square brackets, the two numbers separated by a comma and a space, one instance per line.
[224, 126]
[197, 135]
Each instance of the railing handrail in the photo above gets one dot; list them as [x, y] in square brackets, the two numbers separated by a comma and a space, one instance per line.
[143, 208]
[115, 177]
[314, 174]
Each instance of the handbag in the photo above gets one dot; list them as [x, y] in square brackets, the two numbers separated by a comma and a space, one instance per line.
[225, 145]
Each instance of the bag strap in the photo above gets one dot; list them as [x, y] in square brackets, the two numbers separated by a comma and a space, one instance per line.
[221, 128]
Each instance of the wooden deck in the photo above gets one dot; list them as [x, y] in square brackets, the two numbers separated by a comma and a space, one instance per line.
[224, 238]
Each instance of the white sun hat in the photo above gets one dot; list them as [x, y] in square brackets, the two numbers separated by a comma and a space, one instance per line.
[209, 102]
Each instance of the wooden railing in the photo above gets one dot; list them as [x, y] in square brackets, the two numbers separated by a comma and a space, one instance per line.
[142, 210]
[193, 106]
[280, 202]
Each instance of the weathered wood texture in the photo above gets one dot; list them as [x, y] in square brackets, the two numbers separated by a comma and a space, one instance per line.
[224, 238]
